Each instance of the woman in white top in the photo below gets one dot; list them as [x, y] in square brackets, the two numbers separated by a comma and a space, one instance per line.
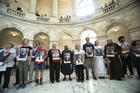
[79, 62]
[100, 69]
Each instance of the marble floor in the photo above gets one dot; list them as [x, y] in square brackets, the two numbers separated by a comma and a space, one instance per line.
[130, 85]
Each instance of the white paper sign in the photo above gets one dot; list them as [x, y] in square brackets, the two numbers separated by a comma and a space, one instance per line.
[22, 59]
[39, 59]
[2, 68]
[67, 62]
[110, 55]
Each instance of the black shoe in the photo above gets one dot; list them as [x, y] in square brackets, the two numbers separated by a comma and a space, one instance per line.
[120, 79]
[87, 78]
[82, 80]
[78, 80]
[15, 84]
[57, 81]
[41, 83]
[52, 81]
[24, 86]
[20, 86]
[70, 79]
[94, 78]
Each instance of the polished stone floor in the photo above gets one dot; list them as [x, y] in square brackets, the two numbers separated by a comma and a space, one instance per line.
[130, 85]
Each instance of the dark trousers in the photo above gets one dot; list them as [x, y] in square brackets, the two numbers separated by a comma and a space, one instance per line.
[126, 61]
[54, 71]
[138, 67]
[6, 77]
[80, 72]
[17, 75]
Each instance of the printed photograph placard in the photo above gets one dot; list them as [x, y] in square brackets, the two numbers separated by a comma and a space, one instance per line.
[99, 52]
[79, 60]
[137, 50]
[125, 48]
[89, 51]
[110, 51]
[67, 58]
[40, 56]
[23, 54]
[55, 55]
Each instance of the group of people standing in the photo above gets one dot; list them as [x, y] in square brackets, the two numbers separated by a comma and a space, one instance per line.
[112, 61]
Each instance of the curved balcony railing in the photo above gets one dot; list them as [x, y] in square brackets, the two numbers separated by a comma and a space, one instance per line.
[15, 12]
[42, 19]
[65, 19]
[51, 21]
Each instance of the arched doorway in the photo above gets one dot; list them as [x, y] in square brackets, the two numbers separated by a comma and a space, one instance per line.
[65, 40]
[10, 34]
[116, 31]
[42, 37]
[88, 33]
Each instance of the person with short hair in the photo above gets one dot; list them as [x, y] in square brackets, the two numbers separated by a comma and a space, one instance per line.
[112, 52]
[54, 63]
[89, 57]
[40, 56]
[7, 62]
[67, 60]
[125, 56]
[24, 60]
[79, 59]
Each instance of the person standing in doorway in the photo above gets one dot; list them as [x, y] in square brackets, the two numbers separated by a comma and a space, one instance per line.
[90, 54]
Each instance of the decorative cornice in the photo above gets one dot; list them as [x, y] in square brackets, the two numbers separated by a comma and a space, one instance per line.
[93, 20]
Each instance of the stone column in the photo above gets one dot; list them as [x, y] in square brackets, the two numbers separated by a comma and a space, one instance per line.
[32, 6]
[54, 8]
[74, 10]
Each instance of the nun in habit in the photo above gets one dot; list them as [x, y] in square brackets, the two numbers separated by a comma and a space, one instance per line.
[99, 64]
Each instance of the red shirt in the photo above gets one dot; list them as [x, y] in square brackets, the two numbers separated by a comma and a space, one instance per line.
[40, 52]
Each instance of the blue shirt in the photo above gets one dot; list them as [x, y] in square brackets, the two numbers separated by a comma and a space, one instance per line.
[12, 55]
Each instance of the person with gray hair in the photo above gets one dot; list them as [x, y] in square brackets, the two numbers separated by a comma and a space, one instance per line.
[89, 57]
[54, 63]
[7, 59]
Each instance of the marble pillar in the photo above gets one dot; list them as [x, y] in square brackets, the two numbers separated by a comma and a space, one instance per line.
[54, 8]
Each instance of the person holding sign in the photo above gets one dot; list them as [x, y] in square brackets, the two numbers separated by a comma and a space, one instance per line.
[40, 56]
[32, 66]
[79, 59]
[6, 63]
[24, 59]
[99, 65]
[125, 56]
[135, 51]
[54, 63]
[112, 52]
[89, 57]
[67, 68]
